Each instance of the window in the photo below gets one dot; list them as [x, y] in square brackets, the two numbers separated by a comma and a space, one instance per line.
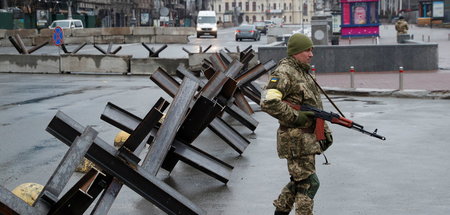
[274, 6]
[247, 6]
[227, 6]
[78, 24]
[220, 8]
[305, 9]
[253, 6]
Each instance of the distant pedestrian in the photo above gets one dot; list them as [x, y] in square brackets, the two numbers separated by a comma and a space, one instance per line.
[401, 26]
[289, 87]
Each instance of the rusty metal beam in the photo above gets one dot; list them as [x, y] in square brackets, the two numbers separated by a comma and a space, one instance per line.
[207, 48]
[34, 48]
[79, 48]
[60, 177]
[14, 43]
[116, 50]
[100, 49]
[217, 62]
[232, 137]
[156, 53]
[21, 44]
[242, 103]
[225, 132]
[180, 151]
[166, 134]
[165, 81]
[80, 196]
[129, 150]
[231, 109]
[10, 204]
[255, 72]
[137, 178]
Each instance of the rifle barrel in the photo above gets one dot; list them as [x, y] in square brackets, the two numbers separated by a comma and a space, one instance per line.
[373, 134]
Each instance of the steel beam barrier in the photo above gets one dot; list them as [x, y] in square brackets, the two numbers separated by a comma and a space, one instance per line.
[231, 108]
[189, 154]
[137, 178]
[226, 132]
[166, 134]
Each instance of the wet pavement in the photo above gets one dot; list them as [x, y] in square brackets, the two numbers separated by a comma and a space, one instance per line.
[405, 175]
[433, 84]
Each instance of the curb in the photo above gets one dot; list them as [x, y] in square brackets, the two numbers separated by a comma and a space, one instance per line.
[416, 94]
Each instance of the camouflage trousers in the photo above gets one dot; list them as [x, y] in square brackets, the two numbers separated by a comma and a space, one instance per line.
[302, 187]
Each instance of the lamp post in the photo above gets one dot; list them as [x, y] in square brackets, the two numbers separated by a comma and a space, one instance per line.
[69, 9]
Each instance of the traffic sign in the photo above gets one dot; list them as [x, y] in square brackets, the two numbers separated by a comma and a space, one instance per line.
[58, 36]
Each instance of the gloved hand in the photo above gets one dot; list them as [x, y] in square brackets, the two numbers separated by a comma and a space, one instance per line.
[327, 142]
[304, 118]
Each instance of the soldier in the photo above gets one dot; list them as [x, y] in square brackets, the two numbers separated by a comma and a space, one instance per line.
[401, 26]
[289, 87]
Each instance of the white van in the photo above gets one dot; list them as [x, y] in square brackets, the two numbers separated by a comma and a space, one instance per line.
[67, 24]
[206, 23]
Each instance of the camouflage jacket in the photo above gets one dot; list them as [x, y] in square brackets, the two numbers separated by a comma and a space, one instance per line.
[297, 87]
[401, 26]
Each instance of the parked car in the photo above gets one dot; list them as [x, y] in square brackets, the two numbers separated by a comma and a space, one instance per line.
[67, 24]
[261, 26]
[269, 23]
[247, 32]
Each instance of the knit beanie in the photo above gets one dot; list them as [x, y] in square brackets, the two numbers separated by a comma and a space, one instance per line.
[298, 43]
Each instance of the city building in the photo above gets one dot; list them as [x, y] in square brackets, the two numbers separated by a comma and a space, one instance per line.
[249, 11]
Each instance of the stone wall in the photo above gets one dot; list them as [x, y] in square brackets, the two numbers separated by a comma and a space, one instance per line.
[365, 58]
[163, 35]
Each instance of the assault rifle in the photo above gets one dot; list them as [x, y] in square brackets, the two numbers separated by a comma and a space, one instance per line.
[336, 119]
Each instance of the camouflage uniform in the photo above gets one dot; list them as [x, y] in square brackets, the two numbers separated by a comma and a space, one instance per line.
[297, 145]
[401, 26]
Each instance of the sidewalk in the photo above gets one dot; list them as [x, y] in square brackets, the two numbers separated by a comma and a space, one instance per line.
[416, 84]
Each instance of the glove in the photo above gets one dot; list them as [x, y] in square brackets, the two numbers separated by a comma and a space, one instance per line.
[304, 118]
[327, 142]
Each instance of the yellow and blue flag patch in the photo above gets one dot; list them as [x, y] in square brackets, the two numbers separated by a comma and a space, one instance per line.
[273, 82]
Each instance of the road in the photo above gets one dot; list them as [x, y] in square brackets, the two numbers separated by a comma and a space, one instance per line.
[405, 175]
[225, 39]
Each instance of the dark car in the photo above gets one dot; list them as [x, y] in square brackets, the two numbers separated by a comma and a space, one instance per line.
[261, 26]
[247, 32]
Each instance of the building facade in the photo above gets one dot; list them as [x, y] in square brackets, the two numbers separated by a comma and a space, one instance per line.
[249, 11]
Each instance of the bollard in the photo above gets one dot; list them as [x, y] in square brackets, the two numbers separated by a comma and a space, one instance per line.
[352, 77]
[423, 38]
[428, 38]
[313, 71]
[349, 40]
[400, 78]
